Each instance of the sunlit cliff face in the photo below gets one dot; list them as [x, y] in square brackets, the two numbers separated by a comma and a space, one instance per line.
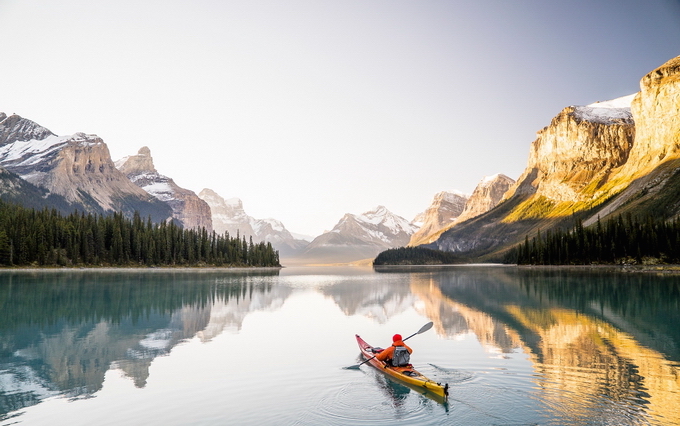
[656, 110]
[577, 357]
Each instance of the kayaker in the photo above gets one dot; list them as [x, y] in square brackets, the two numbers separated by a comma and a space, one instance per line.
[388, 354]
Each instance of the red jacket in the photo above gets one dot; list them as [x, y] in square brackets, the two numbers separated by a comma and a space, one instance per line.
[387, 353]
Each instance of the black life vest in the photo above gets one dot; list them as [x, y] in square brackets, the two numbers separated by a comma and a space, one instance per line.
[400, 357]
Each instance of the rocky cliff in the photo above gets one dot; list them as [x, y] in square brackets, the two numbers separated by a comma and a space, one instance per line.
[16, 190]
[648, 181]
[576, 154]
[569, 162]
[446, 207]
[17, 129]
[190, 210]
[77, 167]
[591, 161]
[656, 110]
[487, 194]
[229, 216]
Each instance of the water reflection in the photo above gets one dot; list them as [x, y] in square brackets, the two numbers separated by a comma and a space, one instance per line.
[598, 348]
[61, 332]
[378, 300]
[598, 340]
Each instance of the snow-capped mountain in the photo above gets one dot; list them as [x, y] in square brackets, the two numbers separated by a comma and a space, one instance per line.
[77, 167]
[187, 207]
[444, 210]
[229, 216]
[357, 237]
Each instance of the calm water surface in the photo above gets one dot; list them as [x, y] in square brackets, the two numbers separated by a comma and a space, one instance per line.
[517, 347]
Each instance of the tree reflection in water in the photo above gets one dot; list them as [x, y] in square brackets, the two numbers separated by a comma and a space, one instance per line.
[60, 332]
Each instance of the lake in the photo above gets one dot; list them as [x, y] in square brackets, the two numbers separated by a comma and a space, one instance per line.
[271, 347]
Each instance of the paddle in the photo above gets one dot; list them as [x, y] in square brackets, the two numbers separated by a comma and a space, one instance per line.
[423, 329]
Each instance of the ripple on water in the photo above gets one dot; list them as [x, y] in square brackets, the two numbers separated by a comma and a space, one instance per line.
[376, 401]
[452, 376]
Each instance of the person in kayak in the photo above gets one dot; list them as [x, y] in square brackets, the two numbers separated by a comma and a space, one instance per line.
[398, 354]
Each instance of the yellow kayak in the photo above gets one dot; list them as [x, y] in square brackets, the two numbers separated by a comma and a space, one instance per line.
[406, 374]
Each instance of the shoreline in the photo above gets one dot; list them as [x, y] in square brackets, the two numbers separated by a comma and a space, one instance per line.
[146, 269]
[665, 268]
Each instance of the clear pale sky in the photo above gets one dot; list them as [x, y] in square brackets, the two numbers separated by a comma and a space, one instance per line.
[307, 110]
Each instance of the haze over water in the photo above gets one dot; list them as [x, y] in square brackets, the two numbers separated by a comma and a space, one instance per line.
[517, 346]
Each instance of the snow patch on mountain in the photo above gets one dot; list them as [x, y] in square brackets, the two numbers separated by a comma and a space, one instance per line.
[31, 152]
[606, 112]
[622, 102]
[161, 190]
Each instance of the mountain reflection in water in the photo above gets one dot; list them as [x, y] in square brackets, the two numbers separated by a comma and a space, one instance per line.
[517, 346]
[61, 332]
[594, 337]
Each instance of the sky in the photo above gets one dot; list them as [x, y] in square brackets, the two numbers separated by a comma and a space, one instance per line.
[307, 110]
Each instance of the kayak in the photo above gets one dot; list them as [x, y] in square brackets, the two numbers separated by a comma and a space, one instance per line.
[406, 374]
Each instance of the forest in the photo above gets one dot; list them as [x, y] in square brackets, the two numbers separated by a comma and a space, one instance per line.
[30, 237]
[415, 256]
[619, 240]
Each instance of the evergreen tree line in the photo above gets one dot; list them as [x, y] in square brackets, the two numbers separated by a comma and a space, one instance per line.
[48, 238]
[619, 240]
[415, 256]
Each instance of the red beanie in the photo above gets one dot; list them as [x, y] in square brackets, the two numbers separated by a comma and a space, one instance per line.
[396, 337]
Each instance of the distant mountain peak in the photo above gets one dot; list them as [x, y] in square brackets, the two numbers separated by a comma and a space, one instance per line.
[140, 163]
[15, 128]
[229, 216]
[446, 207]
[187, 207]
[489, 179]
[488, 193]
[357, 237]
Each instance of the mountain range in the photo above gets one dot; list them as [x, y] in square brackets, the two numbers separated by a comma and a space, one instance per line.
[591, 162]
[77, 169]
[449, 209]
[229, 216]
[40, 169]
[357, 237]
